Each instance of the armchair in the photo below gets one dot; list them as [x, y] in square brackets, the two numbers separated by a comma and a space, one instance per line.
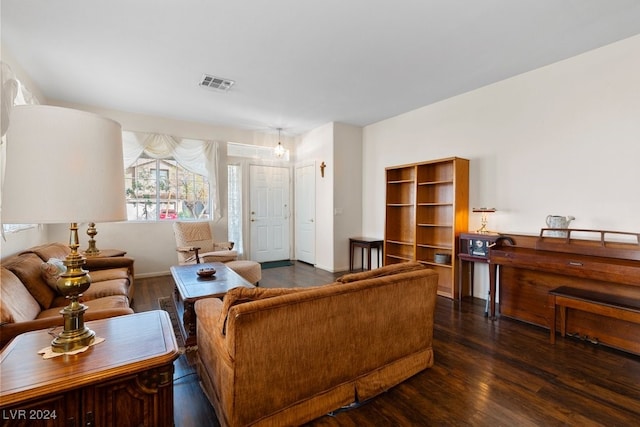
[195, 245]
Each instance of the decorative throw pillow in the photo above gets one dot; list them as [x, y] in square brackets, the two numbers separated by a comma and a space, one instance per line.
[51, 271]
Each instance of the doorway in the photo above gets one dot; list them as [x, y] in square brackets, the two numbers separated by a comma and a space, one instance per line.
[305, 229]
[269, 213]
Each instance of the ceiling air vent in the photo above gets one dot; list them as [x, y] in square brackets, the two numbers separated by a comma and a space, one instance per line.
[217, 83]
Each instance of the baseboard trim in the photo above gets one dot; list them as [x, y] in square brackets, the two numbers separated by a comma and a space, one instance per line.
[153, 274]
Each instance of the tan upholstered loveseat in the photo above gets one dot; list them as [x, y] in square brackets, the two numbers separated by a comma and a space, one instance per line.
[29, 303]
[287, 356]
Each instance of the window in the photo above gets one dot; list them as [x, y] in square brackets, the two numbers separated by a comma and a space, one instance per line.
[234, 192]
[161, 189]
[235, 149]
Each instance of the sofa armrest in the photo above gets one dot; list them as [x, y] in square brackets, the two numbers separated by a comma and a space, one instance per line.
[208, 311]
[219, 256]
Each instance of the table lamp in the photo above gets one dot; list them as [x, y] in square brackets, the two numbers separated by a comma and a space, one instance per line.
[92, 250]
[64, 166]
[483, 221]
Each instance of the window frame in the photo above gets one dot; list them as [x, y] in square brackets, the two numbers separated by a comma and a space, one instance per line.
[145, 190]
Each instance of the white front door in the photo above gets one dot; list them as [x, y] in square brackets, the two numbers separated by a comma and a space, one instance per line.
[305, 229]
[269, 212]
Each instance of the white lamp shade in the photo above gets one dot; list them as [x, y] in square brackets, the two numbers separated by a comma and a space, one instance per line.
[62, 166]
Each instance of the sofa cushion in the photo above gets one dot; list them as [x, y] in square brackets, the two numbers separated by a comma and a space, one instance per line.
[105, 303]
[50, 250]
[97, 290]
[16, 303]
[109, 274]
[105, 288]
[27, 267]
[387, 270]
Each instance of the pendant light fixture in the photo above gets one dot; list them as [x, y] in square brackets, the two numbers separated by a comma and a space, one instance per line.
[279, 150]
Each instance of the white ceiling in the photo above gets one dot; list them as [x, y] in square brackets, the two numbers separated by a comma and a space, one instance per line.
[298, 64]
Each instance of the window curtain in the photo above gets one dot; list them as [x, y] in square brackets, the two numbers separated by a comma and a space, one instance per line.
[12, 92]
[196, 156]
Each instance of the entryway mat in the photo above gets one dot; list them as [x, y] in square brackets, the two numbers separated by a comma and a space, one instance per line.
[274, 264]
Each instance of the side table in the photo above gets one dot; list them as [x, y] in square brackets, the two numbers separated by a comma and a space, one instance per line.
[107, 253]
[127, 380]
[365, 243]
[474, 247]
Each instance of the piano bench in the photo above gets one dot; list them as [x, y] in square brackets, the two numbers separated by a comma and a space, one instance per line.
[610, 305]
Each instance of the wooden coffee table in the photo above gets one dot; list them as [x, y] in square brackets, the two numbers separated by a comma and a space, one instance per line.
[190, 287]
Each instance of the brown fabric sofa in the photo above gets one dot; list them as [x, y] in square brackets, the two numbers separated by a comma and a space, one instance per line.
[28, 302]
[289, 355]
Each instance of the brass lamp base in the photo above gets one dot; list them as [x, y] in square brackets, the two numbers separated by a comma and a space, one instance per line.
[75, 334]
[72, 283]
[92, 250]
[483, 223]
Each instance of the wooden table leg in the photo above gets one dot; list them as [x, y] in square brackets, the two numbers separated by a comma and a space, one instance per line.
[189, 323]
[551, 301]
[563, 320]
[493, 273]
[351, 249]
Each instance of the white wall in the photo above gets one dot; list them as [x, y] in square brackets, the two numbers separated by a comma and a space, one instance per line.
[338, 193]
[563, 139]
[347, 195]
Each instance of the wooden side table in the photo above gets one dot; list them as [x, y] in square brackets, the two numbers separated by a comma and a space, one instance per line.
[365, 243]
[107, 253]
[127, 380]
[474, 247]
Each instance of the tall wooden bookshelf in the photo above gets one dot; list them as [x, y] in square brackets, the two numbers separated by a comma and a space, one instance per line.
[427, 208]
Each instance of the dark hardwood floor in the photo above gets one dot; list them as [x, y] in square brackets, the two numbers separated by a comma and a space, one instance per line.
[486, 373]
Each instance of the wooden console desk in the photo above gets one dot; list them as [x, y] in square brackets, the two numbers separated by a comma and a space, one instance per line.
[535, 265]
[127, 380]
